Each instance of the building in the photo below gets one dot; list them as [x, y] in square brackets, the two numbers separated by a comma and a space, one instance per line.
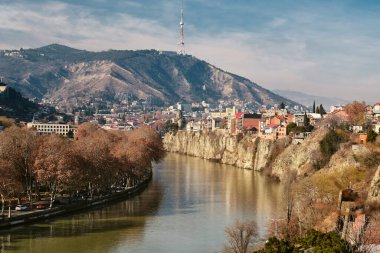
[230, 112]
[43, 128]
[377, 128]
[3, 87]
[248, 122]
[299, 119]
[184, 107]
[334, 108]
[314, 118]
[298, 138]
[376, 112]
[357, 129]
[194, 126]
[376, 108]
[217, 124]
[281, 132]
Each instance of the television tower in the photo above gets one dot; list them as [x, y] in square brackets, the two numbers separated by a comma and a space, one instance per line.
[181, 49]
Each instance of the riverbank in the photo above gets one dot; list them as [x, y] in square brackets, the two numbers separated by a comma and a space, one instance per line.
[74, 207]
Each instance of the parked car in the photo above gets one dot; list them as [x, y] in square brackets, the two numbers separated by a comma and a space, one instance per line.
[21, 208]
[41, 206]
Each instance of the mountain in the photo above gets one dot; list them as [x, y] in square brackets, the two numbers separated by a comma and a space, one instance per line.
[307, 100]
[13, 105]
[66, 74]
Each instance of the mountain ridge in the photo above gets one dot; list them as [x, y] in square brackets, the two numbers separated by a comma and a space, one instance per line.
[63, 73]
[12, 104]
[307, 99]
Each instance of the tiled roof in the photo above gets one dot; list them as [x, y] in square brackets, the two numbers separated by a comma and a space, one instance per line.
[272, 125]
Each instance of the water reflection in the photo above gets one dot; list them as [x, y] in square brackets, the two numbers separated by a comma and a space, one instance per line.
[185, 209]
[85, 232]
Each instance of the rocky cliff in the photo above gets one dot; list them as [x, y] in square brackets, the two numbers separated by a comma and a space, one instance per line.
[302, 159]
[278, 158]
[249, 152]
[374, 192]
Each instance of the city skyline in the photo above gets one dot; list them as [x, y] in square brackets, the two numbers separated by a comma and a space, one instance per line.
[321, 48]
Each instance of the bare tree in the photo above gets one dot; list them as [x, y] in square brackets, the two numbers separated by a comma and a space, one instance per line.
[356, 112]
[240, 237]
[19, 146]
[53, 163]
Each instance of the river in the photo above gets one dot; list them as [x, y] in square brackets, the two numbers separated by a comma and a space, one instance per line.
[185, 208]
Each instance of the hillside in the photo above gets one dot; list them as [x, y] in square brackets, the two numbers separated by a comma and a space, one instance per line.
[13, 105]
[62, 73]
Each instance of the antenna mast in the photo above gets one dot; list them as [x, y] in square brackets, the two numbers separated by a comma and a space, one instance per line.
[181, 49]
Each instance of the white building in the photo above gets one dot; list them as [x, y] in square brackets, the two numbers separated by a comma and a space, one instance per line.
[377, 128]
[334, 108]
[42, 128]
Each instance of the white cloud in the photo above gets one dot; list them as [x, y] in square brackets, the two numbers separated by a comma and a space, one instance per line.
[290, 54]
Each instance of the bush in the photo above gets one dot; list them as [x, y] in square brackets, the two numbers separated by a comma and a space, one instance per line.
[293, 128]
[275, 245]
[314, 241]
[371, 136]
[170, 127]
[330, 143]
[290, 127]
[323, 242]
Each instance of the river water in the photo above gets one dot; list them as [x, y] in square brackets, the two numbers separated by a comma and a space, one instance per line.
[186, 208]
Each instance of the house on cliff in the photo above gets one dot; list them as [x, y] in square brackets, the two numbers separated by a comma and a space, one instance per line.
[376, 113]
[248, 121]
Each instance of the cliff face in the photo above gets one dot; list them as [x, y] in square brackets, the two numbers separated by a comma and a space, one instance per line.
[302, 158]
[374, 192]
[249, 152]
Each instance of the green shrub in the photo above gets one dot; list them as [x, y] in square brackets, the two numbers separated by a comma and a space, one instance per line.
[314, 241]
[330, 143]
[290, 127]
[275, 245]
[323, 242]
[371, 136]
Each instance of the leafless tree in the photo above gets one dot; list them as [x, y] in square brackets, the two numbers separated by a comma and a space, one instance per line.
[240, 237]
[18, 147]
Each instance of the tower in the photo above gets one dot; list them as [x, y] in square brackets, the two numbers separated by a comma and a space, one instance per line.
[181, 49]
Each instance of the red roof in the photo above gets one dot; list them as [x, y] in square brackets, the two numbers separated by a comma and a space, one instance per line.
[238, 114]
[272, 125]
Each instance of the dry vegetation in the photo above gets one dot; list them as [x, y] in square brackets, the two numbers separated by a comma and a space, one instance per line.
[240, 237]
[95, 162]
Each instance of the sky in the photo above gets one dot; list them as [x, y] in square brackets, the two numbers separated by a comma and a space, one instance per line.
[326, 48]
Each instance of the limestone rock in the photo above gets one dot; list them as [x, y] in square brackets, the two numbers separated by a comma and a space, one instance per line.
[249, 152]
[301, 158]
[374, 191]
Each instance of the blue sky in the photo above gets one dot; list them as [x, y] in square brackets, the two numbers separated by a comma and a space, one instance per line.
[328, 48]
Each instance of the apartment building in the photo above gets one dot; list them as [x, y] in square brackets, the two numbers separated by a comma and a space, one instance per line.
[48, 128]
